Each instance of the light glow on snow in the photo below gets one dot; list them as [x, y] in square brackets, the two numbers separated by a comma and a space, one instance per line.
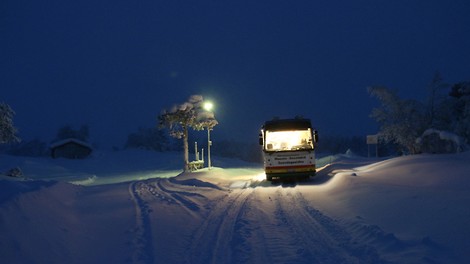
[259, 177]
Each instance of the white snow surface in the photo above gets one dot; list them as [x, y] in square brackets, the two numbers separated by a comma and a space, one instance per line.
[137, 207]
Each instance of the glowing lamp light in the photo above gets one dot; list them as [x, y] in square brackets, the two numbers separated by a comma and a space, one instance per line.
[208, 106]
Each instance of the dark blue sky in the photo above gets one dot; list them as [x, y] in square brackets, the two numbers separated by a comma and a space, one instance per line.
[115, 64]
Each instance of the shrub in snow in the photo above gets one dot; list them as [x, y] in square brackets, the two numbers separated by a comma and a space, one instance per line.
[14, 172]
[436, 141]
[349, 153]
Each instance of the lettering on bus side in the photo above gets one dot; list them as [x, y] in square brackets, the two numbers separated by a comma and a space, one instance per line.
[282, 158]
[299, 157]
[291, 162]
[288, 154]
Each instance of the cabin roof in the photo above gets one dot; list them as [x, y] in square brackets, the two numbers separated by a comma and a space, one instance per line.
[70, 140]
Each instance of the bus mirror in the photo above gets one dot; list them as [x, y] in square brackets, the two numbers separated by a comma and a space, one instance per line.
[315, 136]
[260, 139]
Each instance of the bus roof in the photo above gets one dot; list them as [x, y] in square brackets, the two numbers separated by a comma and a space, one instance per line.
[287, 124]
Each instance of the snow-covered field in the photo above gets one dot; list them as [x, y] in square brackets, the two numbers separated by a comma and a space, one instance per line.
[137, 207]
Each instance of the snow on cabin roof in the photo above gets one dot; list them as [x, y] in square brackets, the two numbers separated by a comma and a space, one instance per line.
[70, 140]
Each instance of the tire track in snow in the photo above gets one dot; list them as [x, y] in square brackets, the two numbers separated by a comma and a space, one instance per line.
[178, 195]
[174, 194]
[323, 239]
[260, 236]
[248, 226]
[142, 244]
[212, 241]
[267, 232]
[144, 194]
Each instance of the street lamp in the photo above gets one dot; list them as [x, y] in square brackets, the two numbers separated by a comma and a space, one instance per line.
[208, 107]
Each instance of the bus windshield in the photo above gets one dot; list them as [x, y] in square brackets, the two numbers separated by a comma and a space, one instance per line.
[289, 140]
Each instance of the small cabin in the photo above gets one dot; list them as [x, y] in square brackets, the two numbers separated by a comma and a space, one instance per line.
[70, 148]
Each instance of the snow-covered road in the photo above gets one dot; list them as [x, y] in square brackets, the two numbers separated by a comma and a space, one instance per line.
[353, 211]
[256, 222]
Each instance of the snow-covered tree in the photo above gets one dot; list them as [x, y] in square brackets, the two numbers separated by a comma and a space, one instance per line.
[7, 129]
[148, 138]
[434, 103]
[401, 121]
[30, 148]
[67, 131]
[184, 116]
[404, 121]
[460, 109]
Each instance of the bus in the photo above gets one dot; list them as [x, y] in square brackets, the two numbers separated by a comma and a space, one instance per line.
[288, 148]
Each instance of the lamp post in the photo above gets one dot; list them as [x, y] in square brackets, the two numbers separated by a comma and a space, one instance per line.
[209, 143]
[208, 107]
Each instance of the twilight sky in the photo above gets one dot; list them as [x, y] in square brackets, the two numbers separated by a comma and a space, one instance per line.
[115, 64]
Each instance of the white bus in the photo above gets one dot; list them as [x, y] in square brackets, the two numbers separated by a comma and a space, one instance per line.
[288, 148]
